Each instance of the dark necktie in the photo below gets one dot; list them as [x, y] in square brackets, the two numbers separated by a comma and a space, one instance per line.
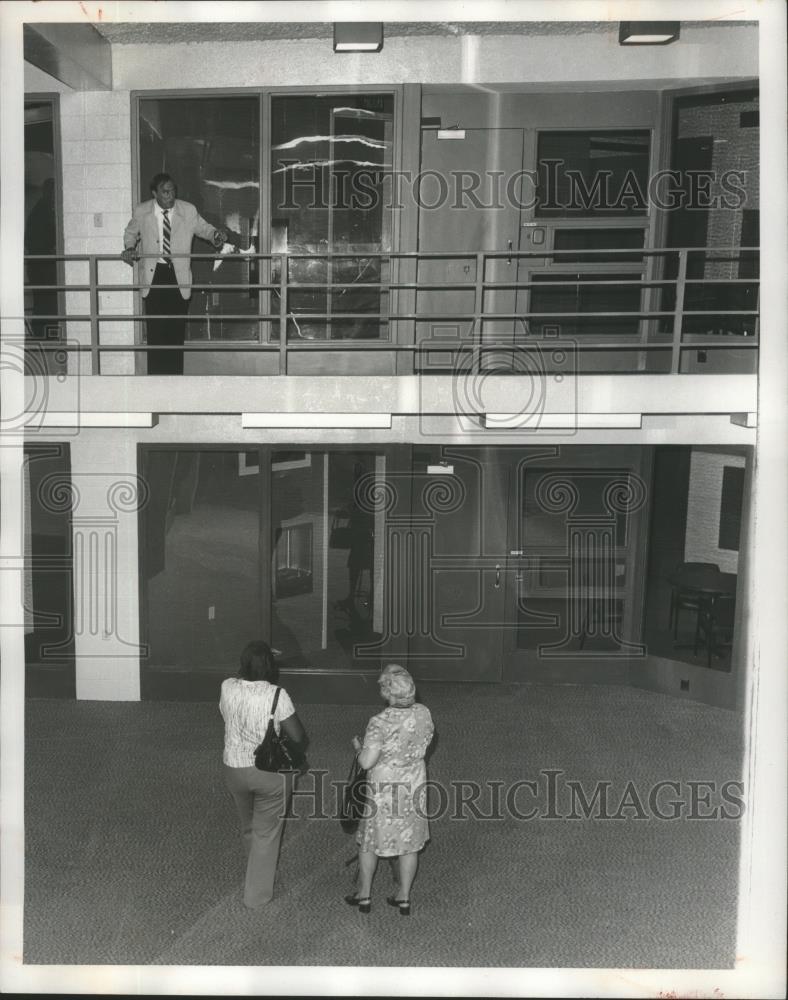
[165, 247]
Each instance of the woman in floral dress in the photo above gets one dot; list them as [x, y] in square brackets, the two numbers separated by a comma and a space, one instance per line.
[395, 824]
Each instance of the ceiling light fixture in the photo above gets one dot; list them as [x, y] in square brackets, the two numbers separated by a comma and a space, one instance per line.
[648, 32]
[358, 36]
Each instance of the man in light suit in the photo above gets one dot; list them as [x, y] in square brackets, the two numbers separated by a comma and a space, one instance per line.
[165, 226]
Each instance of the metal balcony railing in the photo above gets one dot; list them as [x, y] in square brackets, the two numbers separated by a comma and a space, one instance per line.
[645, 310]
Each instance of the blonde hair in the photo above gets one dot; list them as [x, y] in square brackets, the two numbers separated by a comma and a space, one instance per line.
[397, 686]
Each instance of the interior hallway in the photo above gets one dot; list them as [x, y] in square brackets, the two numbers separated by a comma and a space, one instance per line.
[133, 856]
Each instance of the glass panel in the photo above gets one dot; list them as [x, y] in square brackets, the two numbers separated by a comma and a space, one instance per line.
[331, 157]
[586, 298]
[573, 579]
[327, 570]
[201, 529]
[689, 612]
[553, 498]
[544, 621]
[48, 602]
[40, 236]
[211, 146]
[600, 173]
[598, 239]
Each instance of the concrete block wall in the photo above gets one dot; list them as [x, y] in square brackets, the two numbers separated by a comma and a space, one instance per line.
[96, 149]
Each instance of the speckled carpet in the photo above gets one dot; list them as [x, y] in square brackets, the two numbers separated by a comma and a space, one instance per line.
[133, 857]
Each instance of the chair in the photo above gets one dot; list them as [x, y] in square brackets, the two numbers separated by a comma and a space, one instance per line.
[715, 624]
[684, 581]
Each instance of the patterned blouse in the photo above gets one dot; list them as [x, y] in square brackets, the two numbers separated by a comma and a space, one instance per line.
[245, 707]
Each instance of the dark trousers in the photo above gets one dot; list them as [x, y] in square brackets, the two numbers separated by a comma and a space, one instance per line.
[165, 299]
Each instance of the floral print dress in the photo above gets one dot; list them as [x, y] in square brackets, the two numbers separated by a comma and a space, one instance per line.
[395, 822]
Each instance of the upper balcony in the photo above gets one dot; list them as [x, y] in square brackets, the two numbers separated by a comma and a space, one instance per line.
[430, 226]
[588, 337]
[588, 311]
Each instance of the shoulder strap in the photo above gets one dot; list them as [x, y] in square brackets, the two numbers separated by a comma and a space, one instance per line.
[276, 700]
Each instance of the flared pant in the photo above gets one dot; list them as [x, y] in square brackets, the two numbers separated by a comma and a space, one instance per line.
[261, 800]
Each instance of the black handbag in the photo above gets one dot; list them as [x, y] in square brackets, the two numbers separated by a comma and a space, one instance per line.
[355, 797]
[277, 752]
[341, 534]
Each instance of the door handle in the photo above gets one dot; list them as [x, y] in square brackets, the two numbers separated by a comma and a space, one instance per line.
[509, 258]
[497, 576]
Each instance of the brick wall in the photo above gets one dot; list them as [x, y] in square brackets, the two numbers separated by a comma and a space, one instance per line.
[703, 509]
[735, 148]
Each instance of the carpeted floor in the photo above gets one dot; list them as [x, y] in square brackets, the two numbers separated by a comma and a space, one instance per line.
[133, 857]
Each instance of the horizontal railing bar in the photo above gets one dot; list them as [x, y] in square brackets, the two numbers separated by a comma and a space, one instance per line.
[421, 347]
[703, 340]
[302, 317]
[734, 252]
[411, 285]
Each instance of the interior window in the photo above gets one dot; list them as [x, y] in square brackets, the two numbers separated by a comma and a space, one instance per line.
[592, 174]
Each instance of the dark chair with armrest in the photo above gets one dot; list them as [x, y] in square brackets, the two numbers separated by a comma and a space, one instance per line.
[683, 596]
[715, 625]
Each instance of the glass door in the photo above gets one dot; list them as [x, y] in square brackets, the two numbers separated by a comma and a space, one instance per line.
[327, 557]
[281, 544]
[574, 582]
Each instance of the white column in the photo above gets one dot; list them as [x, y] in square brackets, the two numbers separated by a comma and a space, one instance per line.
[107, 495]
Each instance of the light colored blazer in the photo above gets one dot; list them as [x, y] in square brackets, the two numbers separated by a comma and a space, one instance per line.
[142, 234]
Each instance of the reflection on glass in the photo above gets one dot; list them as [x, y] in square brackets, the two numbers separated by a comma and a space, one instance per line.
[201, 530]
[331, 160]
[211, 146]
[327, 565]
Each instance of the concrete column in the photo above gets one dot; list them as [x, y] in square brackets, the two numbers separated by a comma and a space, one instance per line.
[107, 495]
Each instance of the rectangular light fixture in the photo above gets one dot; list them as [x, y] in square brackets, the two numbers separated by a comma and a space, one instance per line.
[648, 32]
[316, 421]
[358, 36]
[451, 133]
[562, 421]
[745, 419]
[96, 419]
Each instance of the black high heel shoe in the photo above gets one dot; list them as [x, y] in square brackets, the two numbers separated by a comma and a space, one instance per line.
[364, 904]
[402, 904]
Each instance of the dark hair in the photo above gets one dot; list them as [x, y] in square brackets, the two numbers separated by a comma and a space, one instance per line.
[257, 663]
[157, 180]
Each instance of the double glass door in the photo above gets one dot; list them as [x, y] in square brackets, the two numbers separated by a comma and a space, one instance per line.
[276, 543]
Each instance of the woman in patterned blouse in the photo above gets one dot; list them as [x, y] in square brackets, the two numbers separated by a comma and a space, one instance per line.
[395, 823]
